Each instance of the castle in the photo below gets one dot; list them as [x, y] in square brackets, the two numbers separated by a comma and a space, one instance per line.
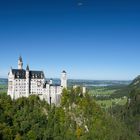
[23, 83]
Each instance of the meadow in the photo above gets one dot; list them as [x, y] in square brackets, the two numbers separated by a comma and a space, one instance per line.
[102, 95]
[3, 88]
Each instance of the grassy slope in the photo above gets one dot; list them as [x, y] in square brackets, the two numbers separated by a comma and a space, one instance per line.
[104, 95]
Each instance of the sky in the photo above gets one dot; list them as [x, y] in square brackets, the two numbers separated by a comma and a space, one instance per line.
[90, 39]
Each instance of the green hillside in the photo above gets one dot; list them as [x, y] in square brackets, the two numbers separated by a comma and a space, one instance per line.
[77, 118]
[135, 83]
[126, 90]
[130, 113]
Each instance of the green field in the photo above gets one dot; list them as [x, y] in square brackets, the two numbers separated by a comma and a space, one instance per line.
[101, 91]
[112, 102]
[3, 88]
[102, 96]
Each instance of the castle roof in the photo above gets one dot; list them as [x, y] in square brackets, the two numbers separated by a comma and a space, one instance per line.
[37, 74]
[54, 85]
[27, 68]
[63, 71]
[21, 74]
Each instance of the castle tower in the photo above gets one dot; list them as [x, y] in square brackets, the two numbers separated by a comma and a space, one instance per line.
[64, 79]
[84, 90]
[10, 84]
[20, 63]
[51, 81]
[27, 81]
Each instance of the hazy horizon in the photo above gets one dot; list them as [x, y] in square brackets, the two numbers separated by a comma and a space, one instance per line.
[84, 79]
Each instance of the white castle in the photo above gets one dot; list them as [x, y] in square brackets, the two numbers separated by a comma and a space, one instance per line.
[23, 83]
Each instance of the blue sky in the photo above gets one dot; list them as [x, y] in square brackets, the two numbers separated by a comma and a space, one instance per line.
[90, 39]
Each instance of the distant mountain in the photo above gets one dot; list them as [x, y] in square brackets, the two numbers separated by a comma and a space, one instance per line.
[126, 90]
[93, 83]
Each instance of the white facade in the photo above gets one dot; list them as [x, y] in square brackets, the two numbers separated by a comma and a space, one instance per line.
[23, 83]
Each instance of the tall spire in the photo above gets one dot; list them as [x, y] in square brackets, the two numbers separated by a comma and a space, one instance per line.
[20, 63]
[10, 70]
[27, 68]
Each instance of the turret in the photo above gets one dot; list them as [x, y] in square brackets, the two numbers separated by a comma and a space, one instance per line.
[64, 79]
[27, 81]
[10, 73]
[20, 63]
[27, 72]
[10, 84]
[51, 81]
[84, 90]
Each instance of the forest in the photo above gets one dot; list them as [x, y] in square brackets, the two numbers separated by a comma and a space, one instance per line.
[78, 117]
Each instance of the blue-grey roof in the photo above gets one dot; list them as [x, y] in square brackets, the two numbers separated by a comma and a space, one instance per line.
[63, 71]
[55, 85]
[21, 74]
[36, 74]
